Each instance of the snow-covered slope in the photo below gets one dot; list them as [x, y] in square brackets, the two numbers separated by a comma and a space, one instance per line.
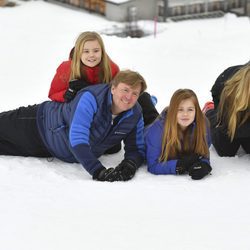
[57, 206]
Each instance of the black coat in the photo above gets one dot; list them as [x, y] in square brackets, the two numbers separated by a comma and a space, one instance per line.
[244, 130]
[220, 81]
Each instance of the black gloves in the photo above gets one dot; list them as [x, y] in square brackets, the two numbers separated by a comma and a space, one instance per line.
[185, 162]
[123, 172]
[192, 163]
[199, 169]
[104, 174]
[74, 86]
[127, 169]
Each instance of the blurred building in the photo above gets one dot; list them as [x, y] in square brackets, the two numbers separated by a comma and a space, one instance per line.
[119, 10]
[178, 8]
[3, 3]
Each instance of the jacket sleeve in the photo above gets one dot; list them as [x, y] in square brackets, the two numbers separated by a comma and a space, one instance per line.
[80, 130]
[134, 144]
[153, 139]
[60, 82]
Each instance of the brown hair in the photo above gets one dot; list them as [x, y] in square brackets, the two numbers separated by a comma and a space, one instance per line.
[174, 141]
[76, 64]
[234, 106]
[131, 78]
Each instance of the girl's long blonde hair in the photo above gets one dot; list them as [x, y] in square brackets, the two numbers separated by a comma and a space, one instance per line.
[76, 64]
[234, 106]
[193, 140]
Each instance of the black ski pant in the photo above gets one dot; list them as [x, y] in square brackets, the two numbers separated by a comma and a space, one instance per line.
[220, 140]
[149, 111]
[19, 133]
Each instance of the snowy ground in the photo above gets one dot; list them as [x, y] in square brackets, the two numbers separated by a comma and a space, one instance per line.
[54, 205]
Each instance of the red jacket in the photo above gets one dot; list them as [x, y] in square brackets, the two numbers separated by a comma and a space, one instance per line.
[60, 82]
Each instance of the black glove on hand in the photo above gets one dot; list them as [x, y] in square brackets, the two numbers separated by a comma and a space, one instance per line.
[199, 169]
[185, 162]
[123, 172]
[102, 174]
[126, 169]
[109, 174]
[74, 86]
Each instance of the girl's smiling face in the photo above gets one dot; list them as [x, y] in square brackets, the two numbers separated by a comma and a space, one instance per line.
[185, 113]
[92, 53]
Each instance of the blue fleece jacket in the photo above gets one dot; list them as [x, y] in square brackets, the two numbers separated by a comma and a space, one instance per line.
[82, 130]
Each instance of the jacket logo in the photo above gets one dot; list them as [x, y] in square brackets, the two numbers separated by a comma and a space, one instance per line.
[119, 133]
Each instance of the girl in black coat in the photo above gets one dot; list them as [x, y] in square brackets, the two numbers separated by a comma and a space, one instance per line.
[230, 117]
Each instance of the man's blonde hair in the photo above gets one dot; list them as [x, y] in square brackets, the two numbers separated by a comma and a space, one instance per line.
[131, 78]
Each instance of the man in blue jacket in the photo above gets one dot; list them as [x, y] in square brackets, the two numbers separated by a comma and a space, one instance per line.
[99, 117]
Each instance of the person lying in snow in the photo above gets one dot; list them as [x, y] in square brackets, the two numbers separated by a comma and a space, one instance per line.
[82, 130]
[229, 113]
[178, 141]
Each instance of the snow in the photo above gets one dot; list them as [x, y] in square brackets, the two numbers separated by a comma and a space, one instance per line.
[55, 205]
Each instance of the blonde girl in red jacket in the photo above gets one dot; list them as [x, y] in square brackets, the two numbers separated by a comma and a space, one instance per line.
[88, 64]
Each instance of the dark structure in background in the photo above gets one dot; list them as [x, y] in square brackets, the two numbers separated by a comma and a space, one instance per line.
[181, 8]
[118, 10]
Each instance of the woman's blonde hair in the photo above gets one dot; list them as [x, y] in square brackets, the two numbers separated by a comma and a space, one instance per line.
[193, 140]
[234, 106]
[76, 64]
